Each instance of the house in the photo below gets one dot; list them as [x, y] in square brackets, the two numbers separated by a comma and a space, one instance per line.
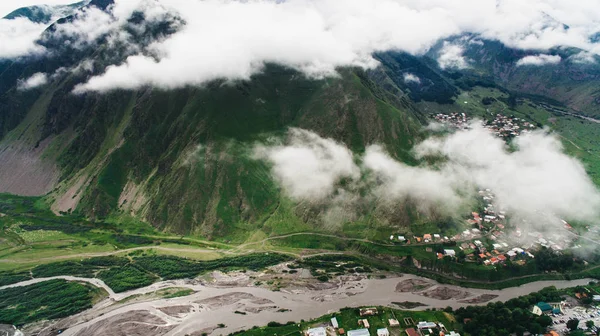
[393, 323]
[511, 254]
[383, 332]
[364, 323]
[494, 260]
[481, 255]
[453, 333]
[436, 236]
[426, 325]
[411, 332]
[401, 238]
[427, 237]
[334, 323]
[368, 311]
[341, 331]
[596, 297]
[451, 253]
[502, 258]
[316, 332]
[542, 308]
[359, 332]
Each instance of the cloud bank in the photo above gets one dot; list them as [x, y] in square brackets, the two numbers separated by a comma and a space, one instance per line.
[537, 181]
[411, 78]
[539, 60]
[309, 167]
[225, 39]
[451, 57]
[18, 37]
[228, 39]
[37, 79]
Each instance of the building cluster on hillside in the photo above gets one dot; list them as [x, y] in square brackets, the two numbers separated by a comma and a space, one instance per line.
[423, 328]
[458, 120]
[508, 127]
[502, 126]
[488, 243]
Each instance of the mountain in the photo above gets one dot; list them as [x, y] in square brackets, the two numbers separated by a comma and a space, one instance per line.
[182, 159]
[571, 81]
[45, 13]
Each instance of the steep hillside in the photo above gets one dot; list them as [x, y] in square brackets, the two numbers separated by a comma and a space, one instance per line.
[182, 159]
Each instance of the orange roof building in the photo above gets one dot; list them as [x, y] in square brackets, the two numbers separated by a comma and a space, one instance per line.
[411, 332]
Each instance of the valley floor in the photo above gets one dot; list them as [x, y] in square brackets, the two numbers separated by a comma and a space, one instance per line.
[226, 303]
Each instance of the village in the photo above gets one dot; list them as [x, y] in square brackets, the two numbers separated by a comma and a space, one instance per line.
[502, 126]
[488, 240]
[387, 324]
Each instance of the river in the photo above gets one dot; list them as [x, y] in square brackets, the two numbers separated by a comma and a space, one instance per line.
[211, 304]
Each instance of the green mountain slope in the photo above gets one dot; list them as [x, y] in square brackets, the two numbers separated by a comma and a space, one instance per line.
[182, 159]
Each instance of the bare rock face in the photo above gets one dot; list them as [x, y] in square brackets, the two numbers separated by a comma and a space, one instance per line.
[23, 171]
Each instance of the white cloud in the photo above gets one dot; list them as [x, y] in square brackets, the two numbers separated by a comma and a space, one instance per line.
[309, 166]
[538, 60]
[37, 79]
[397, 181]
[451, 56]
[411, 78]
[537, 181]
[234, 39]
[583, 57]
[18, 36]
[537, 177]
[316, 37]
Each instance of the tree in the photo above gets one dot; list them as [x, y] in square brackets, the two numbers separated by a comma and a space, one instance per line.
[589, 324]
[573, 324]
[536, 328]
[544, 320]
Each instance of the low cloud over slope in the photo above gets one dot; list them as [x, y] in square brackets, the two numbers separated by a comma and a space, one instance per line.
[534, 180]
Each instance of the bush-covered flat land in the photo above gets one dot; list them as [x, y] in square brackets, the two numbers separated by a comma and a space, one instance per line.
[45, 300]
[122, 273]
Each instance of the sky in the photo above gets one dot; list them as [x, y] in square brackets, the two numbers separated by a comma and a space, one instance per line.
[229, 39]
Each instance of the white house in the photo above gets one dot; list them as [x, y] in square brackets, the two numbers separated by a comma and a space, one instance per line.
[334, 323]
[317, 332]
[451, 253]
[426, 325]
[383, 332]
[359, 332]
